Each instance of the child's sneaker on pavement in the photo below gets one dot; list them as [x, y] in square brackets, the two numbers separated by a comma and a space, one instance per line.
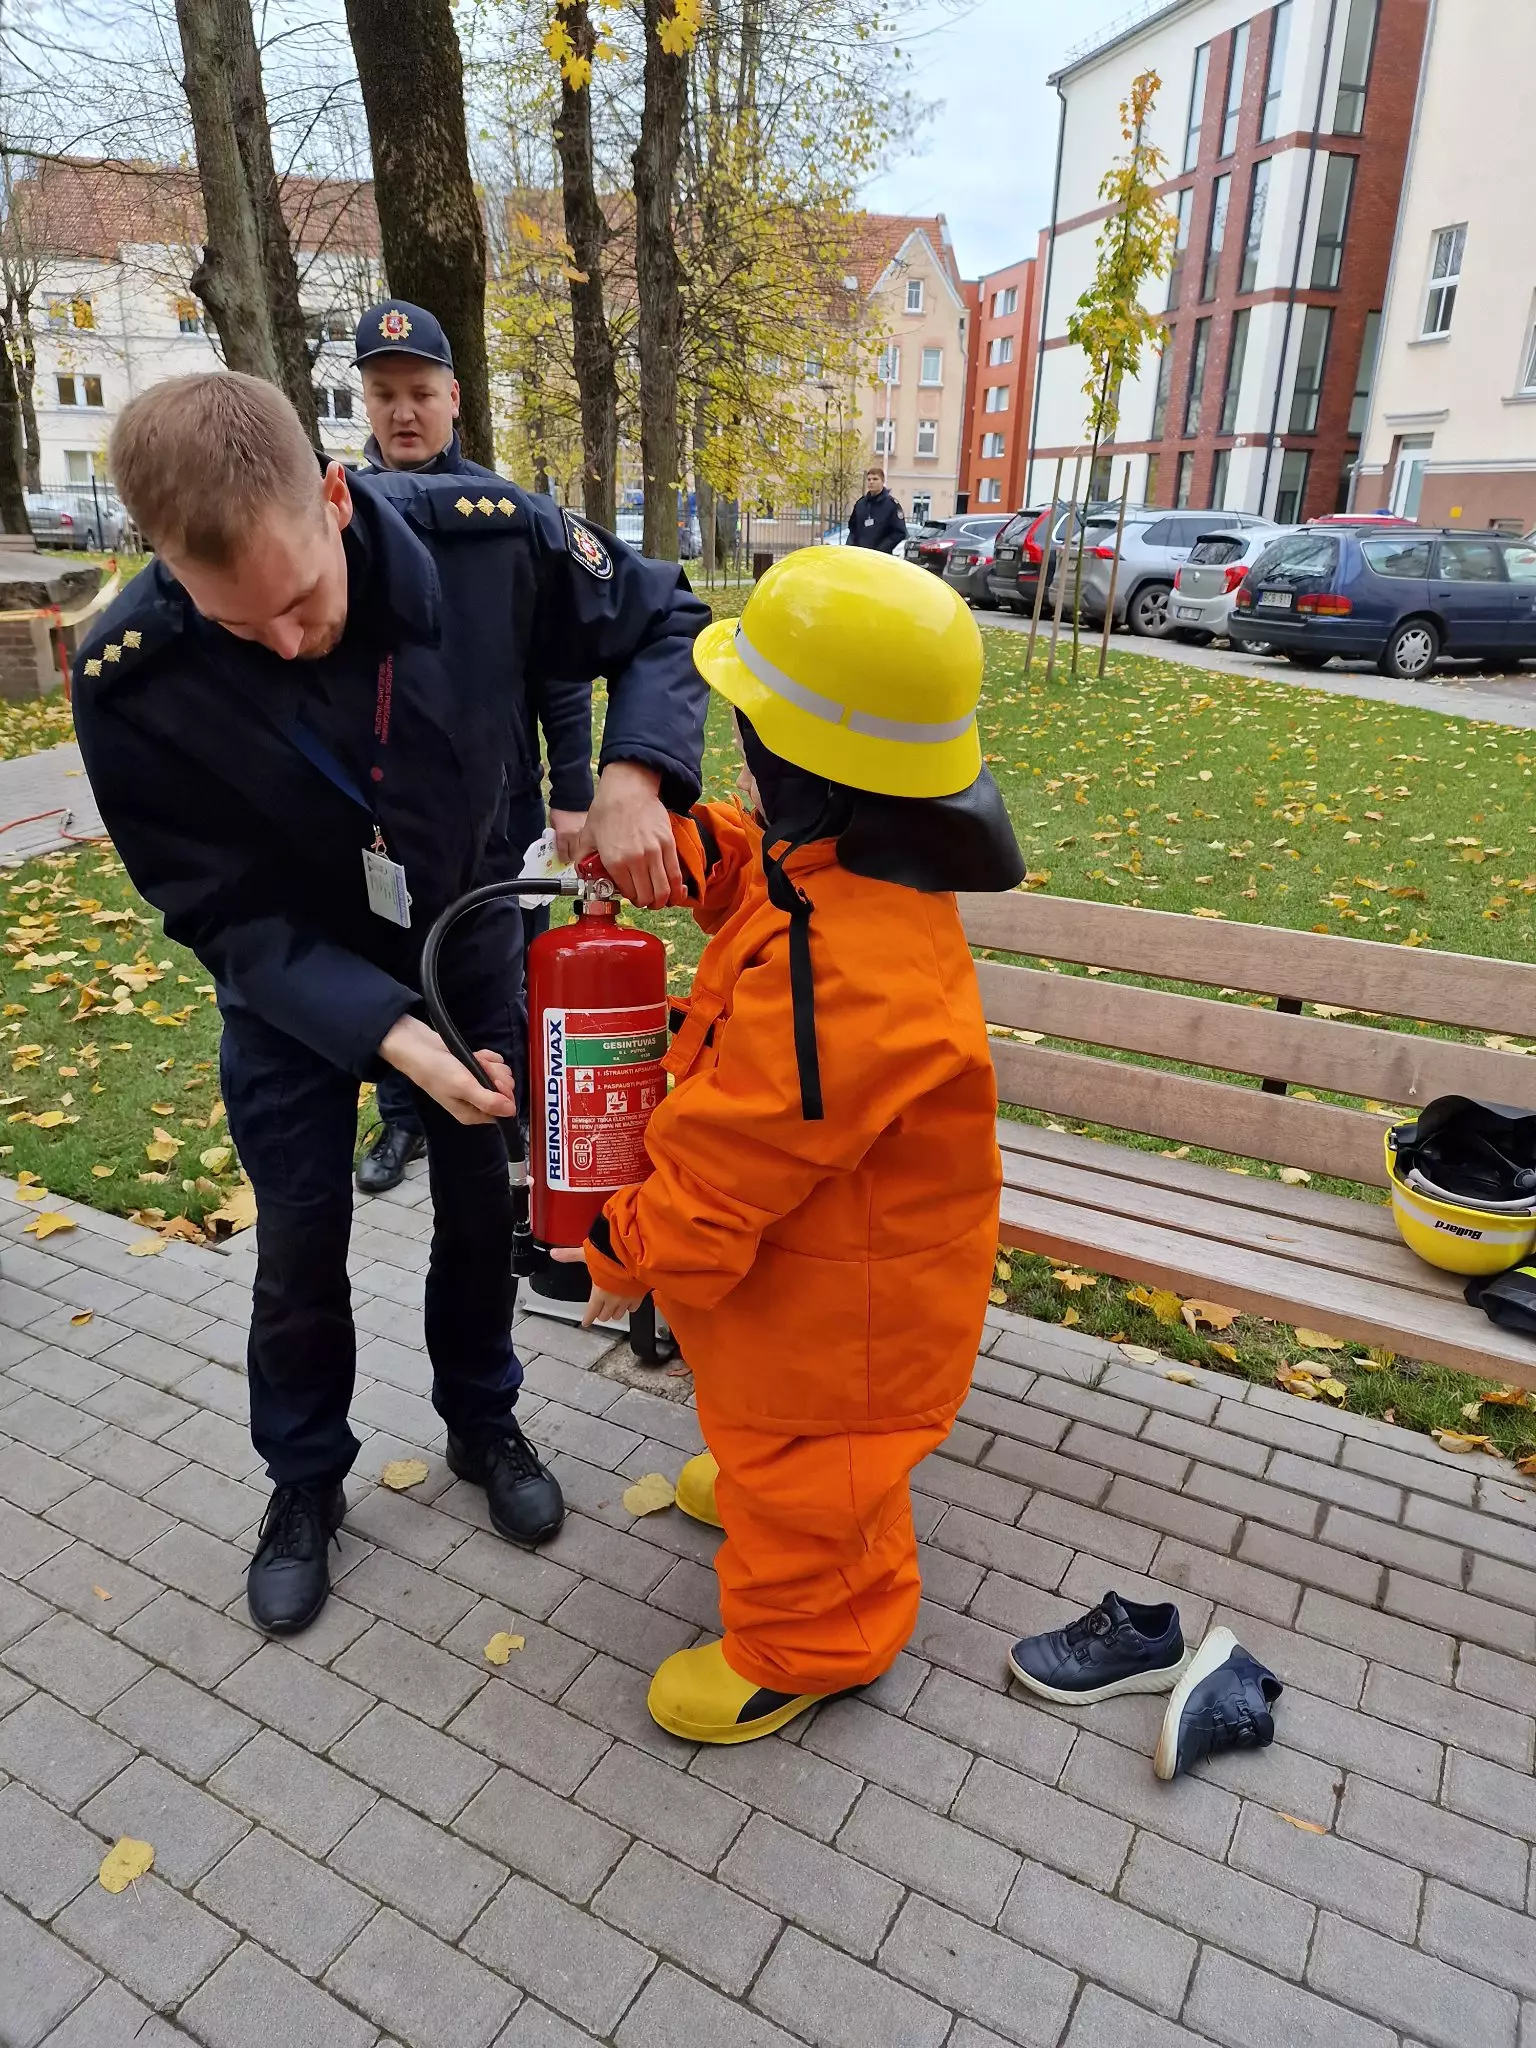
[1223, 1701]
[1115, 1647]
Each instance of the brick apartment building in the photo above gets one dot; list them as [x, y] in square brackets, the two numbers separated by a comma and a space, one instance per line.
[1286, 129]
[1000, 390]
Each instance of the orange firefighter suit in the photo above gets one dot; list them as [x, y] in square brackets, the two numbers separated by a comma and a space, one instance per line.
[827, 1280]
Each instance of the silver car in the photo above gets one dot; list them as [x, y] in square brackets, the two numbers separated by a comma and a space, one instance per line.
[1205, 587]
[76, 519]
[1153, 548]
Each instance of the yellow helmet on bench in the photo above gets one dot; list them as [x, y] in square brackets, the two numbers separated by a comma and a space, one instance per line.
[1451, 1235]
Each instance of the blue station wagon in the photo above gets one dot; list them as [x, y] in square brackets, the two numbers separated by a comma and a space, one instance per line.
[1399, 599]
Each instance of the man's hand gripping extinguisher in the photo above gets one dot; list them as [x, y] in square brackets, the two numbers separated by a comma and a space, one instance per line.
[597, 1030]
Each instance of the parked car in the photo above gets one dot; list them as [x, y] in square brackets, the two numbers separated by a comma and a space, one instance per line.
[918, 530]
[934, 550]
[1026, 549]
[834, 537]
[1398, 599]
[630, 528]
[76, 519]
[968, 568]
[1362, 519]
[1205, 587]
[1152, 548]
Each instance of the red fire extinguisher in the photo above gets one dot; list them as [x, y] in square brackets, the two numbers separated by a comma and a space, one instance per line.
[597, 1031]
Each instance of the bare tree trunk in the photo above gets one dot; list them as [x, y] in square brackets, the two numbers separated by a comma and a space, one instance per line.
[657, 277]
[412, 75]
[586, 230]
[246, 277]
[13, 504]
[18, 327]
[703, 488]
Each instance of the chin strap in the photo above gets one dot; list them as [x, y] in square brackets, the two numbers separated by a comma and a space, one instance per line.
[787, 895]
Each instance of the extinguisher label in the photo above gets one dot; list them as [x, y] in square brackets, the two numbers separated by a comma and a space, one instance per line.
[602, 1078]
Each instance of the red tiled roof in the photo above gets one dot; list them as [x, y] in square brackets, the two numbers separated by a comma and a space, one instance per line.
[877, 239]
[86, 206]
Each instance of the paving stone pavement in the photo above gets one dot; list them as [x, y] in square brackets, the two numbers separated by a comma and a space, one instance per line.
[369, 1838]
[45, 804]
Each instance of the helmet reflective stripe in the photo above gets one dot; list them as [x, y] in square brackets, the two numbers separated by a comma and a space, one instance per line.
[910, 732]
[1516, 1233]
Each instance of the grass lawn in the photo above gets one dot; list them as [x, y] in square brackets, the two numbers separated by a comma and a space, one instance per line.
[1166, 787]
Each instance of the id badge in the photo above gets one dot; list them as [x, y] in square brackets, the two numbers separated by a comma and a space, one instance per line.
[388, 896]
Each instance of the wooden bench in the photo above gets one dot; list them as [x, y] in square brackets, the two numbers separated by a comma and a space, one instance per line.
[1292, 1253]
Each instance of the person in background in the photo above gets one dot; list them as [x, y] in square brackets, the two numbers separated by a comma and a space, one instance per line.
[411, 397]
[876, 520]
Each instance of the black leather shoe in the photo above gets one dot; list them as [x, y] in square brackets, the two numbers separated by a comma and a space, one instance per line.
[290, 1579]
[523, 1496]
[383, 1165]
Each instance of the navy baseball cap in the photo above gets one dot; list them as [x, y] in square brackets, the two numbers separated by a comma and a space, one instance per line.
[394, 327]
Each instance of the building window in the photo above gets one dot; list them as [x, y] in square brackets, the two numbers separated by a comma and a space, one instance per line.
[1237, 353]
[1333, 223]
[1221, 200]
[914, 295]
[1237, 67]
[1355, 67]
[77, 466]
[888, 369]
[341, 403]
[1220, 470]
[1000, 350]
[813, 367]
[69, 391]
[989, 491]
[1197, 362]
[1180, 247]
[1444, 276]
[922, 508]
[79, 390]
[1274, 80]
[933, 366]
[1196, 106]
[1292, 494]
[1154, 466]
[93, 391]
[997, 398]
[885, 437]
[1253, 234]
[991, 447]
[189, 318]
[335, 403]
[1315, 329]
[927, 437]
[1365, 376]
[1185, 489]
[1528, 380]
[1164, 388]
[1005, 302]
[75, 312]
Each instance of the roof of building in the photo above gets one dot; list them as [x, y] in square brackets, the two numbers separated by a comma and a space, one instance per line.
[87, 206]
[878, 239]
[1138, 17]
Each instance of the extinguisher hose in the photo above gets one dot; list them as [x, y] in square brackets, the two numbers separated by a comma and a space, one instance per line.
[431, 987]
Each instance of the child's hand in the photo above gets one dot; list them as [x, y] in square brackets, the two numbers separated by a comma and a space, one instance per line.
[604, 1307]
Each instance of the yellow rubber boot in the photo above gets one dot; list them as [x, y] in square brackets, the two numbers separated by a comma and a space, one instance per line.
[696, 1490]
[696, 1694]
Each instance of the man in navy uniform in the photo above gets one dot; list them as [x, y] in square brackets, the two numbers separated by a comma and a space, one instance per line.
[876, 520]
[411, 397]
[296, 722]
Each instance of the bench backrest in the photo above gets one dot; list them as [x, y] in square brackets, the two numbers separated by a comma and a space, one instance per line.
[1277, 1046]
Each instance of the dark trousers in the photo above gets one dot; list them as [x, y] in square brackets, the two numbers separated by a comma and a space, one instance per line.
[293, 1117]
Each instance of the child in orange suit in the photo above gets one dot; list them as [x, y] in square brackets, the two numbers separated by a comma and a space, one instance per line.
[820, 1225]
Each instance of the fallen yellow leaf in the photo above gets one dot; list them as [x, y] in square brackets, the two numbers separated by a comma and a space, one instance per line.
[1333, 1390]
[146, 1247]
[1296, 1382]
[401, 1474]
[1180, 1378]
[85, 1315]
[1507, 1397]
[1314, 1340]
[1226, 1351]
[1527, 1466]
[52, 1118]
[649, 1495]
[101, 1592]
[1164, 1304]
[1140, 1353]
[31, 1191]
[47, 1224]
[216, 1158]
[184, 1228]
[1075, 1282]
[1208, 1315]
[1309, 1827]
[1071, 1318]
[501, 1646]
[239, 1211]
[1459, 1440]
[998, 1296]
[123, 1862]
[1295, 1176]
[103, 1172]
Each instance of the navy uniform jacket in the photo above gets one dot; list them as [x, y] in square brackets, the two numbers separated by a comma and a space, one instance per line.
[563, 707]
[876, 522]
[195, 747]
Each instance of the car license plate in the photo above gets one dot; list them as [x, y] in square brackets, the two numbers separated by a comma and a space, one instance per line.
[1007, 555]
[1186, 611]
[1275, 600]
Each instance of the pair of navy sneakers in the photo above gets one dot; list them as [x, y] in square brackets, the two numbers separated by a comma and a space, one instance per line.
[1222, 1696]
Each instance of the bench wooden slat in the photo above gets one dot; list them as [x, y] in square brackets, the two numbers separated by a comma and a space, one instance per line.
[1227, 1223]
[1396, 981]
[1350, 1059]
[1362, 1310]
[1319, 1136]
[1343, 1213]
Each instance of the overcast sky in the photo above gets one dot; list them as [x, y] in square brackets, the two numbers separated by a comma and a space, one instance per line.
[987, 156]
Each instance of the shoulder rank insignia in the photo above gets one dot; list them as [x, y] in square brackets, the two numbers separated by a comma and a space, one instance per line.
[584, 547]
